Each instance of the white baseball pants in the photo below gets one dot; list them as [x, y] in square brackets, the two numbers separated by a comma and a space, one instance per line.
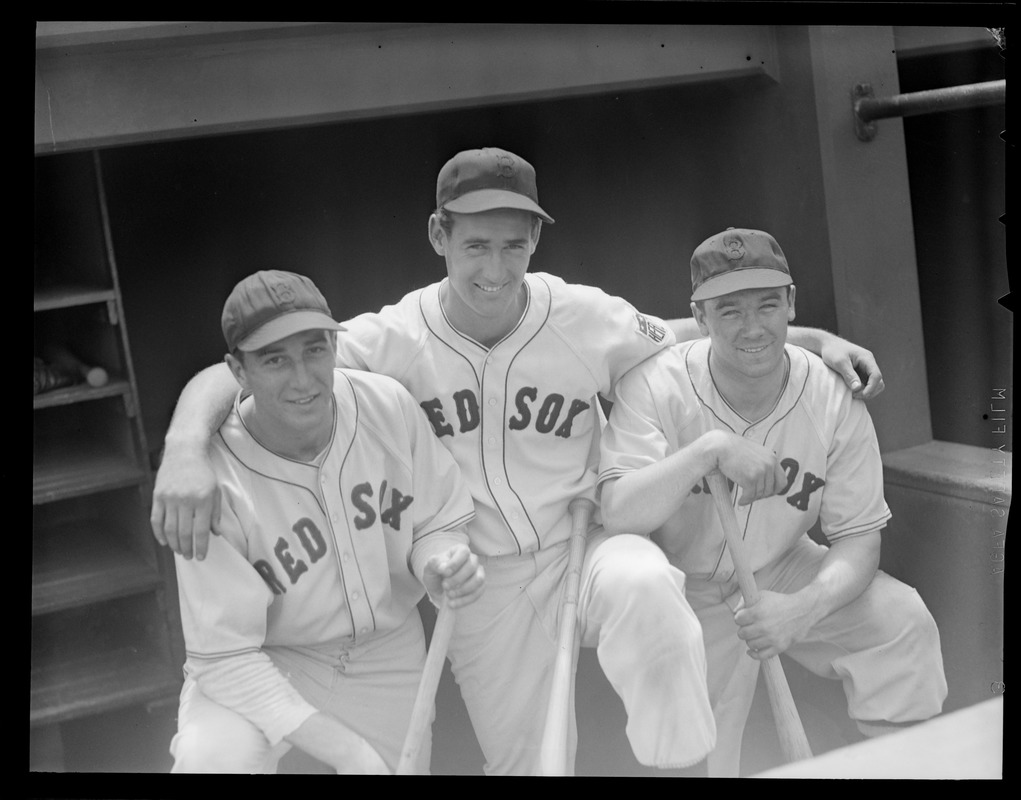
[883, 646]
[370, 687]
[631, 608]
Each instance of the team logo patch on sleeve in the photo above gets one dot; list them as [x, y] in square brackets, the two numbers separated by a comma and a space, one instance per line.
[648, 328]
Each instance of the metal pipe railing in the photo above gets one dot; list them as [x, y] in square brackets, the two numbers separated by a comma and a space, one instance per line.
[867, 108]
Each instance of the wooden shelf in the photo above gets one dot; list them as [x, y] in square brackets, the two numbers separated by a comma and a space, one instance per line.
[80, 393]
[949, 469]
[57, 476]
[82, 564]
[68, 296]
[105, 620]
[98, 683]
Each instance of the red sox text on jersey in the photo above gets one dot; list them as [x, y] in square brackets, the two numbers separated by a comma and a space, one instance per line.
[546, 417]
[332, 542]
[314, 544]
[823, 437]
[520, 417]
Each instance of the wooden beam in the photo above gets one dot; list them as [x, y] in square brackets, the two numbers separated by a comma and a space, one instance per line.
[871, 228]
[147, 88]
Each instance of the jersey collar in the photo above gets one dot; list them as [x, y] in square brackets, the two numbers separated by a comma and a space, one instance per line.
[537, 306]
[697, 363]
[255, 456]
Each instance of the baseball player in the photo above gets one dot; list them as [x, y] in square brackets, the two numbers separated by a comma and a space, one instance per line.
[337, 504]
[508, 366]
[798, 449]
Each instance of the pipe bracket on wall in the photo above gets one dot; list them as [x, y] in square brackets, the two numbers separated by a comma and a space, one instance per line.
[867, 108]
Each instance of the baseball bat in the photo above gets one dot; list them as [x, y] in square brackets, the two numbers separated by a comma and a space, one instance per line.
[553, 755]
[62, 357]
[793, 742]
[421, 712]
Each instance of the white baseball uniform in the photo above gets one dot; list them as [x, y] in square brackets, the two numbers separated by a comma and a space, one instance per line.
[884, 645]
[522, 419]
[307, 598]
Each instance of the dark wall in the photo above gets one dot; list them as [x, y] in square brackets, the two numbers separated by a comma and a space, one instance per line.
[957, 171]
[635, 181]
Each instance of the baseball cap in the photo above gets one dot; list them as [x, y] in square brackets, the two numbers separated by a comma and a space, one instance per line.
[271, 305]
[487, 178]
[736, 259]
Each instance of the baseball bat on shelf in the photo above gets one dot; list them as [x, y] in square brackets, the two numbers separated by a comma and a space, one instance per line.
[48, 377]
[61, 357]
[553, 756]
[793, 741]
[421, 713]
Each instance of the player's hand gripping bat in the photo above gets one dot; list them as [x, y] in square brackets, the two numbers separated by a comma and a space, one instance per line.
[553, 758]
[421, 713]
[793, 742]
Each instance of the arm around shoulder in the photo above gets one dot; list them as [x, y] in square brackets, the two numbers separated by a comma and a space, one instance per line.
[185, 496]
[855, 364]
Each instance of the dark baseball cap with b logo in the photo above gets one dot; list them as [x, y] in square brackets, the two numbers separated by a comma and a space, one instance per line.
[271, 305]
[736, 259]
[486, 179]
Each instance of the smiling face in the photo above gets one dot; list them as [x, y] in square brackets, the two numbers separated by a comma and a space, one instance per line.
[748, 330]
[291, 381]
[487, 256]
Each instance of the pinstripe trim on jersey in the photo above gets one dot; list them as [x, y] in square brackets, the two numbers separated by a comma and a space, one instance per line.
[744, 536]
[779, 396]
[694, 388]
[618, 471]
[241, 395]
[479, 380]
[343, 501]
[794, 403]
[567, 341]
[432, 331]
[723, 544]
[450, 526]
[506, 394]
[240, 459]
[461, 335]
[705, 404]
[860, 529]
[302, 464]
[214, 656]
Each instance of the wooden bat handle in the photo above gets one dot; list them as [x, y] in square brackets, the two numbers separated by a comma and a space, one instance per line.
[553, 757]
[60, 356]
[793, 741]
[421, 713]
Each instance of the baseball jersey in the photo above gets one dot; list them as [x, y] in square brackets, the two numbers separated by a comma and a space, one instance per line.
[522, 417]
[823, 436]
[310, 554]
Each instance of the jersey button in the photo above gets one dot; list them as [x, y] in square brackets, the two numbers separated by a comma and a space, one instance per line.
[498, 481]
[347, 556]
[355, 595]
[364, 630]
[492, 441]
[492, 401]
